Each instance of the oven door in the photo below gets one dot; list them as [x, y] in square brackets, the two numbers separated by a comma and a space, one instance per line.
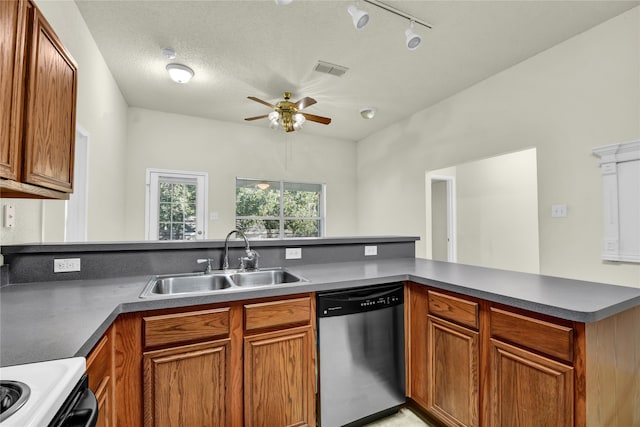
[80, 409]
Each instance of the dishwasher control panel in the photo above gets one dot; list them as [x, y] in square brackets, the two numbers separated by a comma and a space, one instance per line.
[359, 300]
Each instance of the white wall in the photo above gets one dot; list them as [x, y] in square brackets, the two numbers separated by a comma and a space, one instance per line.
[497, 212]
[101, 110]
[577, 95]
[228, 150]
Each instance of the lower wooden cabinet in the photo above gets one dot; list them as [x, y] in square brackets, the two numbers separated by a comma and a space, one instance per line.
[452, 366]
[529, 389]
[245, 363]
[278, 372]
[100, 370]
[484, 365]
[188, 385]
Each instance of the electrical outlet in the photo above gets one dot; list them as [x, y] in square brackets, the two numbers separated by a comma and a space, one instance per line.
[293, 253]
[370, 250]
[558, 211]
[66, 265]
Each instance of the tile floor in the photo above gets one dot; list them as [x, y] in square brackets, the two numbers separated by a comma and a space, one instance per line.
[404, 418]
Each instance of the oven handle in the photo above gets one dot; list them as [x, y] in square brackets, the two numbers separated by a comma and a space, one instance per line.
[85, 413]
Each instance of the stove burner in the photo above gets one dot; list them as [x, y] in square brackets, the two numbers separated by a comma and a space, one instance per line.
[13, 394]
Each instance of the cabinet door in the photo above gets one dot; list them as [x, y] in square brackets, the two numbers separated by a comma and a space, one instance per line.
[50, 121]
[100, 370]
[104, 396]
[188, 385]
[279, 378]
[529, 390]
[452, 371]
[12, 27]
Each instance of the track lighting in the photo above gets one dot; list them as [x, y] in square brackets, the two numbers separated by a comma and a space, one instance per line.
[413, 39]
[180, 73]
[359, 16]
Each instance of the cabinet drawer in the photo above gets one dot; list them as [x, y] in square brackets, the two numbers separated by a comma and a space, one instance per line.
[273, 314]
[186, 327]
[455, 309]
[551, 339]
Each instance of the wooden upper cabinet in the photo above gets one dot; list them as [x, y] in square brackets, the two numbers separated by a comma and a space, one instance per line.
[12, 34]
[38, 137]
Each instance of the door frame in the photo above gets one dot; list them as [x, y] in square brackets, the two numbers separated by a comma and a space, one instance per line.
[452, 249]
[151, 209]
[76, 208]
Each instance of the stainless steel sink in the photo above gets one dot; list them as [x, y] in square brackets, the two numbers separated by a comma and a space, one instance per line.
[186, 284]
[264, 277]
[199, 283]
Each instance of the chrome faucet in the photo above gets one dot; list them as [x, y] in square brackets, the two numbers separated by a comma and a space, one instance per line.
[247, 262]
[207, 270]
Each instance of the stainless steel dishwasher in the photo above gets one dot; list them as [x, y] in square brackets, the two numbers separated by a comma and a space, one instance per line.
[361, 354]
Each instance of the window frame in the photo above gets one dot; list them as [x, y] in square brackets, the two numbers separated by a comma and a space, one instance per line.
[281, 218]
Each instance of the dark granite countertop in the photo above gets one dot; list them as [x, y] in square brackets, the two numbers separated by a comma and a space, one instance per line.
[52, 320]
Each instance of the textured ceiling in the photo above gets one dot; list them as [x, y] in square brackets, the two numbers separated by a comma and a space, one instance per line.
[241, 48]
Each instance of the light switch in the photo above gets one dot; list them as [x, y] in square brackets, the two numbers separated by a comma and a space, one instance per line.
[9, 219]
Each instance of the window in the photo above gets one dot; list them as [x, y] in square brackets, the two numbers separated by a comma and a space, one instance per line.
[279, 209]
[176, 205]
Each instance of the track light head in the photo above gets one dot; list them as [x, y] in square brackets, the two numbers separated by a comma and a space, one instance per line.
[360, 17]
[413, 40]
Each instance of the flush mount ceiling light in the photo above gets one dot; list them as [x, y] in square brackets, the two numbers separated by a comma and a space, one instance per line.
[360, 17]
[368, 112]
[180, 73]
[283, 2]
[413, 40]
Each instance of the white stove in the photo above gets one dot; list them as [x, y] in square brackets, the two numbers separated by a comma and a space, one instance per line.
[50, 385]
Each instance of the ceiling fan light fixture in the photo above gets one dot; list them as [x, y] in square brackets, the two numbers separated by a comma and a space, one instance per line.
[180, 73]
[368, 112]
[274, 116]
[360, 17]
[299, 118]
[413, 40]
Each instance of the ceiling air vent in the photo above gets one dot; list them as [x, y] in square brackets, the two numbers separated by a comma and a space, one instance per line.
[329, 68]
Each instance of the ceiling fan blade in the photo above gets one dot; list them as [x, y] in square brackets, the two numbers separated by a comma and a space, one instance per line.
[317, 119]
[305, 102]
[253, 98]
[256, 117]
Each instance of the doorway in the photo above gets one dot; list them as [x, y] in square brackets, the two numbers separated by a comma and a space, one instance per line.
[443, 218]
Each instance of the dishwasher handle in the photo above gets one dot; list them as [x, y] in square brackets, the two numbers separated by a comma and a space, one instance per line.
[359, 300]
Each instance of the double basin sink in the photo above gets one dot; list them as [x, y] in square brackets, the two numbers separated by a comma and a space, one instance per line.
[205, 283]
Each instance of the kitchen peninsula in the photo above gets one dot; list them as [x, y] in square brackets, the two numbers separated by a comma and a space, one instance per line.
[584, 333]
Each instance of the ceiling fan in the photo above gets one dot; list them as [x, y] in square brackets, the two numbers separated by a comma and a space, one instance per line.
[287, 114]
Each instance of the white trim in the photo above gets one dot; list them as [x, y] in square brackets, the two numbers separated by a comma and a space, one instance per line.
[76, 208]
[452, 247]
[151, 199]
[620, 190]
